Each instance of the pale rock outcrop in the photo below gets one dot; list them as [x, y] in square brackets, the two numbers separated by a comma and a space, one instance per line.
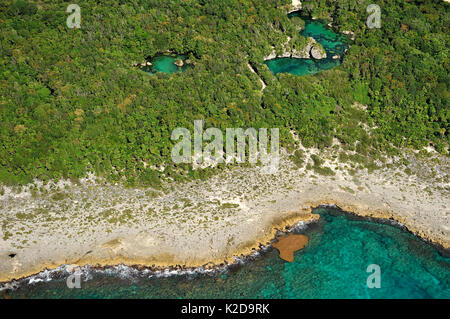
[318, 52]
[179, 63]
[271, 56]
[351, 33]
[303, 53]
[295, 6]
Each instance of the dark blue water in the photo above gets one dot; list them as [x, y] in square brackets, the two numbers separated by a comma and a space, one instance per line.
[332, 265]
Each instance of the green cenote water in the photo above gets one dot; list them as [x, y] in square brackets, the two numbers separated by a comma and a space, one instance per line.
[332, 42]
[332, 265]
[166, 64]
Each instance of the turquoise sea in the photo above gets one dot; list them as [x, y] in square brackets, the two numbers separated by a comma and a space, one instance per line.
[333, 265]
[332, 42]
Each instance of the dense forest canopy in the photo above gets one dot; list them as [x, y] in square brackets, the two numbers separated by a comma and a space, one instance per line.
[72, 102]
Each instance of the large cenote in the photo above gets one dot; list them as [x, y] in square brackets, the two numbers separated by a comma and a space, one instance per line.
[334, 44]
[332, 265]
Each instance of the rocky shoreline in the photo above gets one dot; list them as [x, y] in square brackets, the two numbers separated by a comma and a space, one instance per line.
[168, 270]
[64, 270]
[228, 215]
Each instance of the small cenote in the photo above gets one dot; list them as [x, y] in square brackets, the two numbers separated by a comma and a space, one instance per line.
[332, 265]
[167, 64]
[334, 44]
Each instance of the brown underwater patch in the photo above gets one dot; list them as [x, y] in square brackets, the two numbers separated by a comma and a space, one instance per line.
[289, 244]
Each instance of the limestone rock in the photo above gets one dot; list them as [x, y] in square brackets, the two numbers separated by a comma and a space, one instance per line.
[318, 52]
[351, 33]
[295, 6]
[179, 63]
[304, 53]
[271, 56]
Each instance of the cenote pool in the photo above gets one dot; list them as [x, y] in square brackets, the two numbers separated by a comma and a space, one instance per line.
[332, 265]
[333, 43]
[166, 64]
